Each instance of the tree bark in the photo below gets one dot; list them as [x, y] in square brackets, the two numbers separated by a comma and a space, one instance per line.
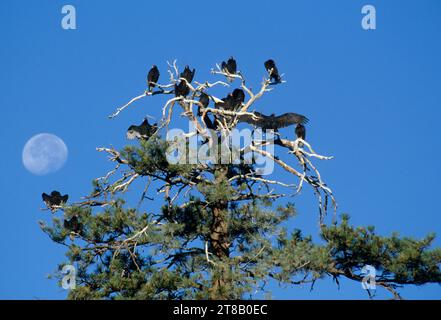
[220, 245]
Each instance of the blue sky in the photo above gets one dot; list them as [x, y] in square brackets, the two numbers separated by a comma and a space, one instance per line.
[373, 98]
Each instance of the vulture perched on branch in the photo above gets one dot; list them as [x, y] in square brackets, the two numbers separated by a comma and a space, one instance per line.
[229, 67]
[270, 66]
[204, 100]
[143, 131]
[73, 224]
[233, 101]
[55, 199]
[238, 96]
[188, 74]
[301, 131]
[181, 89]
[152, 77]
[274, 122]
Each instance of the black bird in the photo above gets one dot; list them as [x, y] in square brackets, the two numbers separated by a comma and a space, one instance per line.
[181, 89]
[228, 103]
[187, 74]
[274, 122]
[270, 66]
[152, 77]
[301, 131]
[55, 199]
[230, 66]
[238, 96]
[143, 131]
[73, 224]
[204, 100]
[232, 101]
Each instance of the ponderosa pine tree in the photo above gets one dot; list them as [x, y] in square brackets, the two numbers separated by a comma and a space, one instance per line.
[221, 231]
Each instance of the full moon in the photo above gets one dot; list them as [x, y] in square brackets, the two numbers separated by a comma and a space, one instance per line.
[44, 153]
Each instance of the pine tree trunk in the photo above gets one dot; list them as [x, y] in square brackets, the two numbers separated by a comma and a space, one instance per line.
[220, 244]
[220, 248]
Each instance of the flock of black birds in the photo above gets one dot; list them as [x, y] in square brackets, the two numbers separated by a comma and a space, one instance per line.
[232, 102]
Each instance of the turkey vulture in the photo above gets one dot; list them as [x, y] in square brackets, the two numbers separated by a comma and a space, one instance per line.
[73, 224]
[301, 131]
[55, 199]
[143, 131]
[152, 77]
[187, 74]
[274, 122]
[238, 96]
[228, 103]
[204, 99]
[181, 89]
[270, 66]
[232, 101]
[230, 66]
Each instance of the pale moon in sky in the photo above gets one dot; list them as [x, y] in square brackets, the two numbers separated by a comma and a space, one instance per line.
[44, 153]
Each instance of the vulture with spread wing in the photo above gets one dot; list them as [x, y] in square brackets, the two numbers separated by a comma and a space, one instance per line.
[274, 122]
[144, 131]
[55, 199]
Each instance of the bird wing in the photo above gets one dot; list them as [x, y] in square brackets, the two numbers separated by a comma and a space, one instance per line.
[65, 198]
[258, 120]
[153, 75]
[46, 198]
[288, 119]
[273, 122]
[232, 64]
